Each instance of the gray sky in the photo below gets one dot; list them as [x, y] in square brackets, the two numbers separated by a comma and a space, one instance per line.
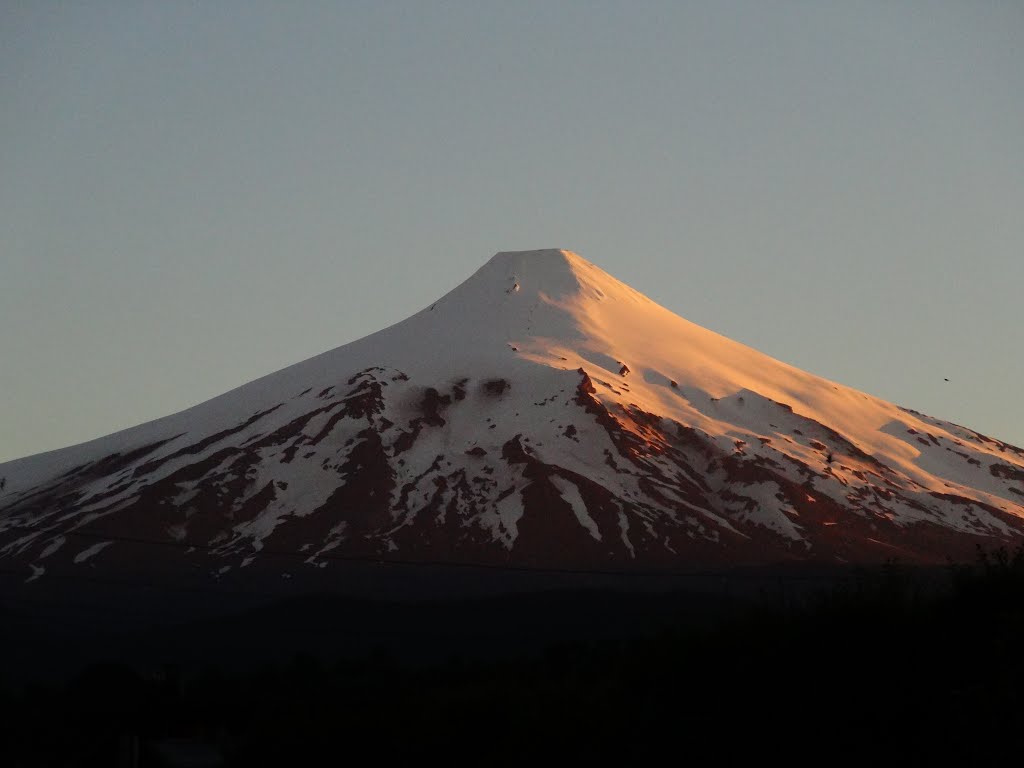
[196, 194]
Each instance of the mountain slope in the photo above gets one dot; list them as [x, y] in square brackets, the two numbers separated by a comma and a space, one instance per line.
[540, 414]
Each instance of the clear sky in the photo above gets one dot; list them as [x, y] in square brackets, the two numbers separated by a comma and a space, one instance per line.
[196, 194]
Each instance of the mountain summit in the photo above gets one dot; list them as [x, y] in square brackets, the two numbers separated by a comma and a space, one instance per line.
[541, 414]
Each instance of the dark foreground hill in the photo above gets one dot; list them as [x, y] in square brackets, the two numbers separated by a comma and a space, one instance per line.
[888, 666]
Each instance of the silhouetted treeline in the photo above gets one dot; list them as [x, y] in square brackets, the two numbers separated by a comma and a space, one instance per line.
[882, 669]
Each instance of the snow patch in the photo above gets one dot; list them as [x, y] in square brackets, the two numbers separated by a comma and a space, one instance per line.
[571, 494]
[92, 551]
[624, 532]
[56, 543]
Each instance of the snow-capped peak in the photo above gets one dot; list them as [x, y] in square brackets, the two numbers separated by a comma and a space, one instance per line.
[540, 412]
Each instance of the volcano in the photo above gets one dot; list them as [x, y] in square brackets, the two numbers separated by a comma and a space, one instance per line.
[541, 415]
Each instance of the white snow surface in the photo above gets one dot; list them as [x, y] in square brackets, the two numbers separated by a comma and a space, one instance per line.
[534, 318]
